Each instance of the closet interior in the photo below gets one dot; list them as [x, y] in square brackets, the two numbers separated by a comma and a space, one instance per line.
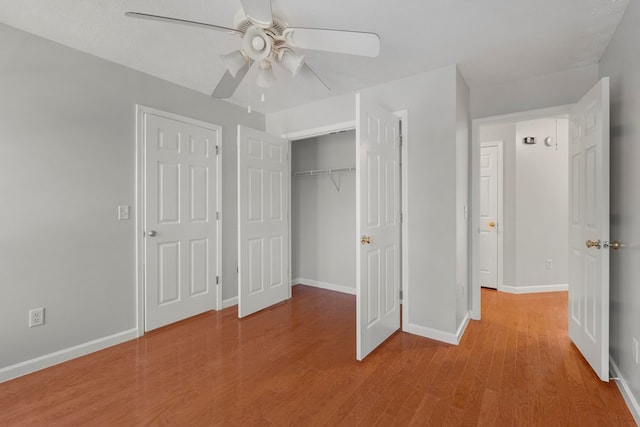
[323, 208]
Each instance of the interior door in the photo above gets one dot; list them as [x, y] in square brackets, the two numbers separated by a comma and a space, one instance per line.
[263, 220]
[589, 227]
[378, 225]
[180, 221]
[488, 239]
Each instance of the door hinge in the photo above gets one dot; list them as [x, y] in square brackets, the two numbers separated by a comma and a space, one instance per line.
[217, 280]
[218, 216]
[400, 293]
[217, 150]
[401, 218]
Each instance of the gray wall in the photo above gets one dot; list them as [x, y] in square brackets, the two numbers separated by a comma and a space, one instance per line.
[67, 155]
[550, 90]
[324, 219]
[463, 134]
[621, 62]
[541, 203]
[430, 99]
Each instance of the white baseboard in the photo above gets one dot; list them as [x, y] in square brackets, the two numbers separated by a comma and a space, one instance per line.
[628, 396]
[534, 289]
[229, 302]
[324, 285]
[42, 362]
[438, 335]
[462, 327]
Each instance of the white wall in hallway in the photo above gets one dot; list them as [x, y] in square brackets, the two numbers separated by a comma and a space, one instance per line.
[541, 203]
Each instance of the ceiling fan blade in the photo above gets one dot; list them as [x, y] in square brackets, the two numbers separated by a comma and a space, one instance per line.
[258, 12]
[231, 31]
[228, 84]
[311, 80]
[338, 41]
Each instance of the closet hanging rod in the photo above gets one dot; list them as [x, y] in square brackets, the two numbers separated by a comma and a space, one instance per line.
[323, 171]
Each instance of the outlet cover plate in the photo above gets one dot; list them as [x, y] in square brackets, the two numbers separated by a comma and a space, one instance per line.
[36, 317]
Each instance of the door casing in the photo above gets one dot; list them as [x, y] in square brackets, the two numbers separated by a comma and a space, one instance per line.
[499, 215]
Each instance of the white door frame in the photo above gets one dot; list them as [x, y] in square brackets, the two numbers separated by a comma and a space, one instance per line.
[476, 124]
[140, 195]
[404, 235]
[500, 216]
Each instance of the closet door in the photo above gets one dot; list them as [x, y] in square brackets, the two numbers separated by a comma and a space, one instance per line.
[263, 220]
[378, 225]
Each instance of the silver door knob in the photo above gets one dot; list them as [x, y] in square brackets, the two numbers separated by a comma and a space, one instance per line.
[151, 233]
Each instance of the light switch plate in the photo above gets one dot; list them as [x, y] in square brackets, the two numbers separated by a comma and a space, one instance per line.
[123, 213]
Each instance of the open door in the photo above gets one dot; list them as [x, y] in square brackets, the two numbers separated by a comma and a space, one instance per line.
[263, 220]
[378, 225]
[589, 227]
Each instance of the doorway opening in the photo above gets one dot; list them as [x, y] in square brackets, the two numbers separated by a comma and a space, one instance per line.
[323, 211]
[520, 179]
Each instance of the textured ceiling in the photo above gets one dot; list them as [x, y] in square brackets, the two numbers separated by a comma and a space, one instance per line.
[493, 41]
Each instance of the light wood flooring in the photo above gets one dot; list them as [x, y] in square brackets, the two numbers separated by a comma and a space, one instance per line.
[294, 364]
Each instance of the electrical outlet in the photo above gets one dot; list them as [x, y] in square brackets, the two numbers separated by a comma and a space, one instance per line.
[549, 264]
[636, 350]
[36, 317]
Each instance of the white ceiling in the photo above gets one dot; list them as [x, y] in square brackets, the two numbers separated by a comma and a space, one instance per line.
[493, 41]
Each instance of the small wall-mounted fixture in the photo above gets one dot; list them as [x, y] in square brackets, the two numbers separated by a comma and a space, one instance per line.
[548, 141]
[529, 140]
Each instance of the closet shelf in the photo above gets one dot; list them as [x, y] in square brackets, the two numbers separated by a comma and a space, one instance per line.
[329, 172]
[323, 171]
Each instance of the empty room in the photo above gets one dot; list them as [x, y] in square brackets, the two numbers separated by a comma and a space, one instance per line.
[269, 212]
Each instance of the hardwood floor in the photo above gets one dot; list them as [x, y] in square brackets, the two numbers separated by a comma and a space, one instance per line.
[294, 364]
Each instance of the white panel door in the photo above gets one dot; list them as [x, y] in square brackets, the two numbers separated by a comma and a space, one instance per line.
[589, 227]
[378, 225]
[181, 230]
[263, 220]
[488, 230]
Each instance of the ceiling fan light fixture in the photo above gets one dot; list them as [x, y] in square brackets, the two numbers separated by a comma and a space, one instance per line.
[266, 78]
[256, 44]
[234, 61]
[292, 61]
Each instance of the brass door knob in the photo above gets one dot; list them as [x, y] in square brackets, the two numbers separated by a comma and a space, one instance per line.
[492, 224]
[365, 240]
[613, 245]
[591, 244]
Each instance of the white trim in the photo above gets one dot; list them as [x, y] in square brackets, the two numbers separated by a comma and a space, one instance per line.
[51, 359]
[500, 215]
[404, 227]
[324, 285]
[141, 110]
[533, 289]
[434, 334]
[463, 326]
[475, 185]
[229, 302]
[625, 390]
[320, 131]
[438, 335]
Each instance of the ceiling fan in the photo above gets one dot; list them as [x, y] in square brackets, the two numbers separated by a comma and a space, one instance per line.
[267, 39]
